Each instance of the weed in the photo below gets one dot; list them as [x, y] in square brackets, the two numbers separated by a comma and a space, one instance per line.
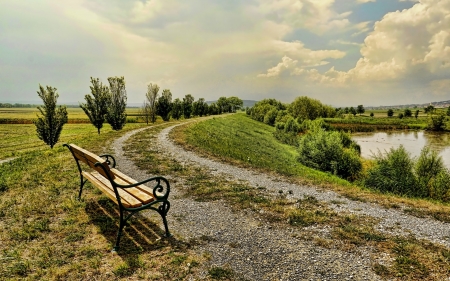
[220, 273]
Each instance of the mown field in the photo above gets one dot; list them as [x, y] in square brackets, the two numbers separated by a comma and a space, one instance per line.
[75, 115]
[47, 234]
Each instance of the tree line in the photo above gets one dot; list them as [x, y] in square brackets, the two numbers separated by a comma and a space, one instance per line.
[107, 103]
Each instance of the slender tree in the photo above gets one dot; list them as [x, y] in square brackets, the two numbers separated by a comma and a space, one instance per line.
[117, 116]
[152, 100]
[164, 105]
[145, 112]
[177, 109]
[416, 114]
[187, 106]
[50, 124]
[96, 106]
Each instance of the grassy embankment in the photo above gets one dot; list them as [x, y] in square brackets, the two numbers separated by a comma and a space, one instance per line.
[242, 141]
[47, 234]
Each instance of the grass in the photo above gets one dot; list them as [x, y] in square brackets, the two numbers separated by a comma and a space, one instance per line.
[242, 141]
[409, 258]
[47, 234]
[26, 115]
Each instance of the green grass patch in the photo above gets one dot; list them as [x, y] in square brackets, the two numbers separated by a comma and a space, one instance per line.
[47, 234]
[243, 141]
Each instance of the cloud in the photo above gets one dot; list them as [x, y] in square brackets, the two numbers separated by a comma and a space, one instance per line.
[316, 16]
[402, 44]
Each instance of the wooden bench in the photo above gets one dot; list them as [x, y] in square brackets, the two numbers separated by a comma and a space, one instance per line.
[130, 195]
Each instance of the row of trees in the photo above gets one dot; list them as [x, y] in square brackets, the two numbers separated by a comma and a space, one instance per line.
[108, 103]
[162, 105]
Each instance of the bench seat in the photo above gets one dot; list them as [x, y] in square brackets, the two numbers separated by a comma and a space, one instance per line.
[130, 195]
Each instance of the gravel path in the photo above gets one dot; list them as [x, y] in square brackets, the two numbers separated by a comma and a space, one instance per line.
[256, 250]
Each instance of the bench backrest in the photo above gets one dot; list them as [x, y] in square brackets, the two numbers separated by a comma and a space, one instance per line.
[90, 159]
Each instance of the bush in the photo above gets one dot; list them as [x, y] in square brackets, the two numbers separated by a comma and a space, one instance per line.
[393, 173]
[433, 177]
[397, 173]
[329, 151]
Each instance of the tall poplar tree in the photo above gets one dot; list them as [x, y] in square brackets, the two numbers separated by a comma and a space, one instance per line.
[50, 124]
[96, 106]
[152, 100]
[117, 116]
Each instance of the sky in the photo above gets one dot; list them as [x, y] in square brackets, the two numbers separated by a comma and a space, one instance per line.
[341, 52]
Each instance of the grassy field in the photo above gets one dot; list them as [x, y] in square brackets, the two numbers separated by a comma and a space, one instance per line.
[26, 115]
[47, 234]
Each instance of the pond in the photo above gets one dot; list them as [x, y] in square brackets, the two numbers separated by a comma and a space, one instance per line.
[413, 141]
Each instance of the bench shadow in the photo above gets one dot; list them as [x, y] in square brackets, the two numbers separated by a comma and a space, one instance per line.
[140, 233]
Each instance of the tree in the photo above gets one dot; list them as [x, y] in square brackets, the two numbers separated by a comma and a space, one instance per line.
[390, 112]
[223, 105]
[200, 107]
[400, 115]
[152, 100]
[371, 114]
[436, 122]
[416, 114]
[360, 109]
[448, 111]
[145, 111]
[96, 106]
[187, 106]
[306, 108]
[235, 103]
[408, 112]
[429, 109]
[213, 109]
[352, 110]
[164, 105]
[117, 116]
[177, 109]
[346, 110]
[50, 124]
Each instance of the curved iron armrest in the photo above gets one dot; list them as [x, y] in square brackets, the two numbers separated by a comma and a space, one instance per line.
[162, 185]
[109, 159]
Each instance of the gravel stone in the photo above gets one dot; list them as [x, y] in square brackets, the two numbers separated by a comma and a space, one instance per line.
[256, 250]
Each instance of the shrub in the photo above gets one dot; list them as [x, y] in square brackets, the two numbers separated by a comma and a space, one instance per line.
[270, 116]
[433, 177]
[329, 151]
[436, 122]
[393, 173]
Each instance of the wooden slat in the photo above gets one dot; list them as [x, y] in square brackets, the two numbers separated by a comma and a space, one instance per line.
[105, 189]
[127, 199]
[90, 159]
[144, 188]
[135, 192]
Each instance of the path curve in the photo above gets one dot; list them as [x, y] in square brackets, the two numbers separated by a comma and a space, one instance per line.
[252, 247]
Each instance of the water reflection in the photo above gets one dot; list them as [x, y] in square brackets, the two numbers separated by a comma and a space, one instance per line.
[413, 141]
